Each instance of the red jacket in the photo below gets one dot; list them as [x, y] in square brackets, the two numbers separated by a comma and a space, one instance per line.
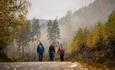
[61, 51]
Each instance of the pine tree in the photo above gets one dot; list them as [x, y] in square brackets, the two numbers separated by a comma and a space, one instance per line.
[56, 32]
[49, 30]
[36, 27]
[53, 32]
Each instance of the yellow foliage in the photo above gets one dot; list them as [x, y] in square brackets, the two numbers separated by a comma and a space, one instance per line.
[77, 41]
[91, 40]
[10, 11]
[96, 35]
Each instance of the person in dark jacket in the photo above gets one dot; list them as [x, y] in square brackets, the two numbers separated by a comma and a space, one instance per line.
[40, 51]
[51, 52]
[61, 52]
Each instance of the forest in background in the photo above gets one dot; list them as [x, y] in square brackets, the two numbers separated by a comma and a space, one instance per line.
[94, 45]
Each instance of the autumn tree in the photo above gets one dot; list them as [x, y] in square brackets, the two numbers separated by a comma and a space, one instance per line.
[24, 37]
[110, 28]
[97, 37]
[10, 21]
[79, 40]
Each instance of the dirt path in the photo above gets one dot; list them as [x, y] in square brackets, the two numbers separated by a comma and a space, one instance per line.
[41, 66]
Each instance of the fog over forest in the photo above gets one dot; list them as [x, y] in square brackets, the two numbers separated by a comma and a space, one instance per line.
[98, 11]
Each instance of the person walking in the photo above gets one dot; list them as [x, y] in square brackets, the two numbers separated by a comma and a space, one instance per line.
[51, 52]
[40, 51]
[61, 52]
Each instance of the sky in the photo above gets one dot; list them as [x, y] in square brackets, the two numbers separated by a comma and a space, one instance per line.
[51, 9]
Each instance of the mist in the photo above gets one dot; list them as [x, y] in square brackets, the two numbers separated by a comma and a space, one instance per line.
[88, 16]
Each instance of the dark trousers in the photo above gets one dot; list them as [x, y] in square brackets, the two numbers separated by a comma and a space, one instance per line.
[51, 55]
[40, 56]
[62, 57]
[51, 58]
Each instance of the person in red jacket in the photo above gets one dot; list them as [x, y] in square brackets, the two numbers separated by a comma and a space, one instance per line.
[61, 52]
